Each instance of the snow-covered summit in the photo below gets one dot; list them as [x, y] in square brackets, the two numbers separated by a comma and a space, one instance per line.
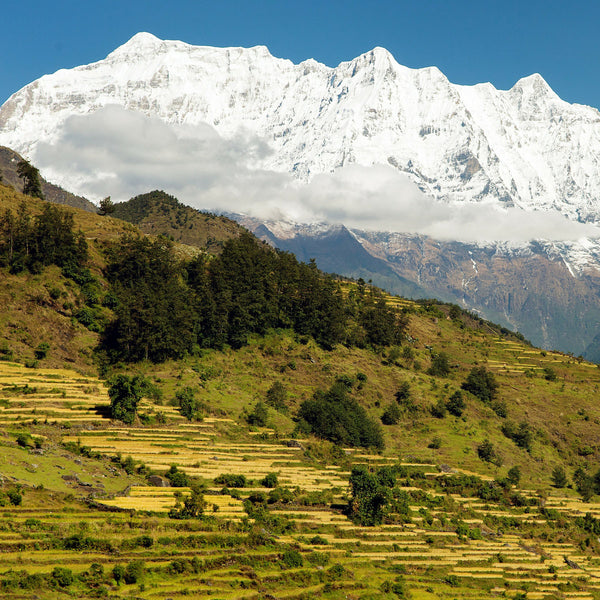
[524, 146]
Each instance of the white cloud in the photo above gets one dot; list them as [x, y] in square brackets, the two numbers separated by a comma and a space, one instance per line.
[122, 154]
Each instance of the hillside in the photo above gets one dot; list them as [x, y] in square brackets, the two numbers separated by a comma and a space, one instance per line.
[158, 213]
[243, 498]
[8, 169]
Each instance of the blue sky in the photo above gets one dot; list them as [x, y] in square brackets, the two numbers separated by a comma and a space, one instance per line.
[470, 41]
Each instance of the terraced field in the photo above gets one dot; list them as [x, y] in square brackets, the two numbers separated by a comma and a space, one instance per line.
[126, 539]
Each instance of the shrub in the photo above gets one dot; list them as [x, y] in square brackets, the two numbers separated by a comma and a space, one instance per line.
[514, 475]
[259, 415]
[62, 577]
[440, 365]
[15, 497]
[277, 396]
[487, 453]
[41, 351]
[292, 559]
[176, 477]
[482, 384]
[134, 571]
[391, 415]
[125, 394]
[456, 404]
[230, 480]
[520, 434]
[559, 477]
[438, 410]
[335, 416]
[270, 480]
[189, 406]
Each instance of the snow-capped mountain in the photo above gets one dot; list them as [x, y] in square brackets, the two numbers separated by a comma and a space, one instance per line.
[523, 147]
[463, 147]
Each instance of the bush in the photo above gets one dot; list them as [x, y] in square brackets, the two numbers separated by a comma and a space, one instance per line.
[520, 434]
[134, 571]
[438, 410]
[62, 577]
[559, 477]
[487, 453]
[15, 497]
[189, 406]
[292, 559]
[482, 384]
[125, 394]
[230, 480]
[335, 416]
[277, 396]
[391, 415]
[259, 415]
[456, 404]
[270, 481]
[440, 365]
[41, 351]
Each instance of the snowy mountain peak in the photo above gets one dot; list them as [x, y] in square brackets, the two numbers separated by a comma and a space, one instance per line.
[522, 147]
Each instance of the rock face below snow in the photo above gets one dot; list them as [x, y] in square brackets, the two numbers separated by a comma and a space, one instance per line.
[524, 146]
[529, 288]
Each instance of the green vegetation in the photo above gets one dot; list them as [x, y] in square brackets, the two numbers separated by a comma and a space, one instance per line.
[335, 416]
[262, 418]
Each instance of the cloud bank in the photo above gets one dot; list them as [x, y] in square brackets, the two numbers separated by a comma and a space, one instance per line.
[119, 153]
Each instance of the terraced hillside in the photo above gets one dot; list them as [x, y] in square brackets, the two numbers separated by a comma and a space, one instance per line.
[89, 524]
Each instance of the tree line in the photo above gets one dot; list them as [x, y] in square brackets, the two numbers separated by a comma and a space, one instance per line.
[30, 242]
[165, 306]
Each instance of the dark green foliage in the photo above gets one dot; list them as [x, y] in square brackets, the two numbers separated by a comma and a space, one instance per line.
[106, 207]
[499, 407]
[134, 571]
[259, 415]
[25, 440]
[292, 559]
[30, 175]
[487, 453]
[550, 374]
[41, 351]
[440, 365]
[146, 280]
[230, 480]
[189, 405]
[514, 475]
[520, 434]
[335, 416]
[270, 480]
[383, 325]
[438, 410]
[369, 497]
[482, 384]
[176, 477]
[15, 497]
[62, 577]
[391, 415]
[125, 394]
[404, 398]
[31, 243]
[193, 506]
[584, 484]
[277, 396]
[559, 477]
[118, 573]
[456, 404]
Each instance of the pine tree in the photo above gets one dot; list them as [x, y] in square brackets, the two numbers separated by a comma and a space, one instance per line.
[31, 179]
